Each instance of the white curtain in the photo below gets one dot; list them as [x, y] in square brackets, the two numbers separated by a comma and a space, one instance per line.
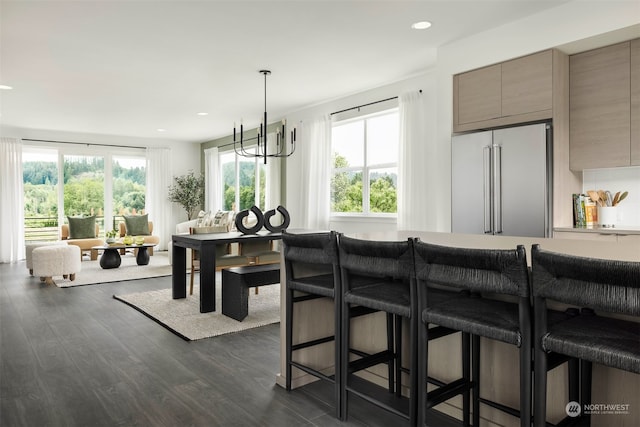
[212, 196]
[315, 145]
[156, 203]
[415, 211]
[12, 207]
[274, 164]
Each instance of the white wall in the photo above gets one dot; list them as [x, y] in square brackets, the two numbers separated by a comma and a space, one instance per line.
[184, 156]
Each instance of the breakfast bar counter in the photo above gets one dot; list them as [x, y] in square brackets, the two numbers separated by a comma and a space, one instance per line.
[499, 361]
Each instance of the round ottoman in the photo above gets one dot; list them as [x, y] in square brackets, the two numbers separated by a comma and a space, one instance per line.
[29, 247]
[56, 260]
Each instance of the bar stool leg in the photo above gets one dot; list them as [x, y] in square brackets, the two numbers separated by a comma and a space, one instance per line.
[398, 354]
[475, 372]
[289, 336]
[466, 374]
[585, 387]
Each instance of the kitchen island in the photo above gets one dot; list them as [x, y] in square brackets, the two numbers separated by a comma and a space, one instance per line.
[499, 361]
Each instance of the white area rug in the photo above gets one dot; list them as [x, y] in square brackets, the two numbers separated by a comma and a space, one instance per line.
[92, 273]
[183, 317]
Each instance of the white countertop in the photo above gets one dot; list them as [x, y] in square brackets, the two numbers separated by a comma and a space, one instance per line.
[625, 229]
[624, 251]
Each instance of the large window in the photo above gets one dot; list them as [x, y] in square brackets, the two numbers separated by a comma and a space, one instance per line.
[365, 165]
[243, 182]
[93, 183]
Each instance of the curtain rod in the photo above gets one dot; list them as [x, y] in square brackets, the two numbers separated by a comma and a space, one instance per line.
[366, 105]
[83, 143]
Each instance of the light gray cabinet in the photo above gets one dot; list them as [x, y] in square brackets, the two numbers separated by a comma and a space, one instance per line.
[604, 111]
[512, 92]
[635, 102]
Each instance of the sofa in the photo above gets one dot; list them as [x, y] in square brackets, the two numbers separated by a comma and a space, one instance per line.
[85, 244]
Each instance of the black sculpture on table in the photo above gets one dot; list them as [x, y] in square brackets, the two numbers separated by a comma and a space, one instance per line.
[262, 220]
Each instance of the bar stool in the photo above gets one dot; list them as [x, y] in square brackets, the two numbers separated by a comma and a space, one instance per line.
[501, 273]
[312, 271]
[591, 284]
[377, 276]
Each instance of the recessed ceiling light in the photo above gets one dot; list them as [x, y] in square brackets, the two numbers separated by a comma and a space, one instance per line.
[161, 130]
[5, 87]
[422, 25]
[203, 114]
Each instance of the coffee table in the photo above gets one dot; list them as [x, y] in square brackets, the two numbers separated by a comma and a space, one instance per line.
[111, 254]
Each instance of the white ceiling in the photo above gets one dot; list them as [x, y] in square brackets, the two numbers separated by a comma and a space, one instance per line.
[128, 68]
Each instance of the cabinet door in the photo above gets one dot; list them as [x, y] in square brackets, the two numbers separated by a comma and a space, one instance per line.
[479, 95]
[635, 102]
[527, 84]
[599, 114]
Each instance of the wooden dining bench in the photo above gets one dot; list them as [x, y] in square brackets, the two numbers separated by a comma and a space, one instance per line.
[236, 282]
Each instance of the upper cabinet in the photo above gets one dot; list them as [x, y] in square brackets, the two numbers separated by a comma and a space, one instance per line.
[604, 107]
[635, 102]
[512, 92]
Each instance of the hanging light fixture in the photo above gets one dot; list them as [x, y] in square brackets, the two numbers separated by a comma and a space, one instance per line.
[262, 149]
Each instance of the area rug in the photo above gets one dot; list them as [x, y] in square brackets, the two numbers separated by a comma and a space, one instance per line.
[183, 317]
[92, 273]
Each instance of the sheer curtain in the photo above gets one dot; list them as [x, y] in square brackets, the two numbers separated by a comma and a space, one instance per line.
[158, 181]
[413, 164]
[272, 190]
[12, 207]
[212, 199]
[315, 145]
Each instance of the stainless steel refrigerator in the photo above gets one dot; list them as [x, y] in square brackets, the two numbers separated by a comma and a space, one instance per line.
[501, 181]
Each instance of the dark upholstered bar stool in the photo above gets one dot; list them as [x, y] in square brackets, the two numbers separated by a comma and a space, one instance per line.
[312, 270]
[378, 276]
[589, 284]
[481, 275]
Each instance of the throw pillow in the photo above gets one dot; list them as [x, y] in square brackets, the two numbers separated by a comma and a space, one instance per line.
[203, 219]
[221, 219]
[137, 225]
[82, 227]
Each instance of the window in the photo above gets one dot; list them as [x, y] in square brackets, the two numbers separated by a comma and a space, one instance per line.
[250, 173]
[94, 183]
[364, 178]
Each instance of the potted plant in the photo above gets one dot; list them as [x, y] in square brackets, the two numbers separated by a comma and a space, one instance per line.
[188, 191]
[111, 236]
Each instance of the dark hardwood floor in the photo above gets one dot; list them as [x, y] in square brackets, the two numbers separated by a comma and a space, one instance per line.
[78, 357]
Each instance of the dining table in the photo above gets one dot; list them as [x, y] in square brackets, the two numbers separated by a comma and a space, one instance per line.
[206, 245]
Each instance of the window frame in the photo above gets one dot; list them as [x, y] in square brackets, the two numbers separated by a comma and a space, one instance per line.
[366, 169]
[258, 167]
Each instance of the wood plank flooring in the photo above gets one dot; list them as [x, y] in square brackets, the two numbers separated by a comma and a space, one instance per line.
[78, 357]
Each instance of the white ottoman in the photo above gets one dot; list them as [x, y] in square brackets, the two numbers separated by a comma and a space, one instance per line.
[29, 247]
[56, 260]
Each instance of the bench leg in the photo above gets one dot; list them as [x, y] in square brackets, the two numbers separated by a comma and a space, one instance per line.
[235, 296]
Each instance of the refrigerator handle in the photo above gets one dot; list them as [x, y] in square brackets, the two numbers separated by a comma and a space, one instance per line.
[497, 188]
[486, 189]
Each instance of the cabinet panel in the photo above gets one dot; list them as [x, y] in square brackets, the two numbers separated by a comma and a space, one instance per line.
[479, 95]
[527, 84]
[599, 99]
[635, 102]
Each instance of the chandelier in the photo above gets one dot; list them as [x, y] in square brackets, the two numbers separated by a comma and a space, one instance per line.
[262, 149]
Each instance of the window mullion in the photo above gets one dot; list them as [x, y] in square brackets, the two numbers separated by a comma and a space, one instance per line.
[365, 174]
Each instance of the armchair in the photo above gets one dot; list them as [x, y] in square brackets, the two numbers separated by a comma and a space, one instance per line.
[133, 231]
[84, 244]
